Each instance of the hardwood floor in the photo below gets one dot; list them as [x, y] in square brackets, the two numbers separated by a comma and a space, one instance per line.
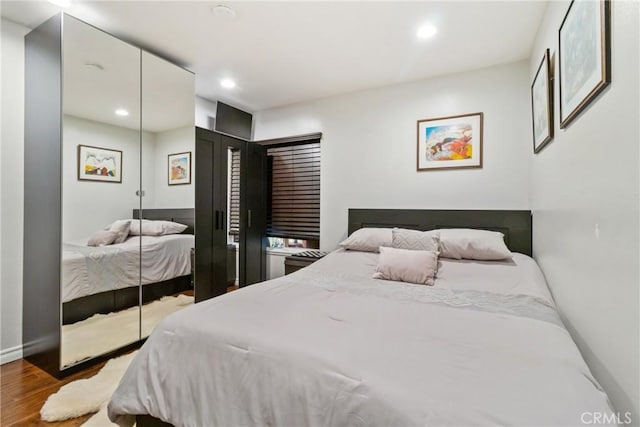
[25, 388]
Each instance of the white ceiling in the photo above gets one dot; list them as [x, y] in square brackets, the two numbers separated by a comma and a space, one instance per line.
[96, 93]
[285, 52]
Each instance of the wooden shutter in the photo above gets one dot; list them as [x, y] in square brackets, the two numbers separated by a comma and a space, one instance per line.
[234, 208]
[295, 191]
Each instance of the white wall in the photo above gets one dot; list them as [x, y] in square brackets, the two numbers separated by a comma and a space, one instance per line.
[369, 145]
[587, 178]
[88, 206]
[205, 112]
[173, 196]
[11, 185]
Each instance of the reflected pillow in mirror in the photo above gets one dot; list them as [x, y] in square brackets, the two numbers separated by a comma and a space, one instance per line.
[156, 228]
[121, 227]
[102, 238]
[368, 239]
[406, 265]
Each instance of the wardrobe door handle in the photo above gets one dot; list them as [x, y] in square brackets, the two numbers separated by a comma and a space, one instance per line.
[217, 226]
[249, 218]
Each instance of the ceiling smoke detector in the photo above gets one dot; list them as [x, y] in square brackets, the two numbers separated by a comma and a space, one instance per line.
[223, 11]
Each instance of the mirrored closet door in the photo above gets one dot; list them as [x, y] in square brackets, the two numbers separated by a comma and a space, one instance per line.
[101, 173]
[168, 165]
[109, 194]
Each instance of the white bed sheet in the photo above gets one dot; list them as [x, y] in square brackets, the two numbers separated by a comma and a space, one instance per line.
[88, 271]
[329, 346]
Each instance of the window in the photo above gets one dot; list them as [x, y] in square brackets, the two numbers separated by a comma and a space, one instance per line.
[294, 192]
[234, 198]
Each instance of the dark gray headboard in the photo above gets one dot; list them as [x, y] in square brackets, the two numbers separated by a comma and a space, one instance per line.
[183, 216]
[515, 225]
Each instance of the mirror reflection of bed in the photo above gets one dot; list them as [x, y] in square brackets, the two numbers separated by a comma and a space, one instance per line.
[128, 145]
[101, 297]
[167, 266]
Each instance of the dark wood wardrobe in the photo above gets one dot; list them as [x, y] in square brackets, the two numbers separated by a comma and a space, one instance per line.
[212, 212]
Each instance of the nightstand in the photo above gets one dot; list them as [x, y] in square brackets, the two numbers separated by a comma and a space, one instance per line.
[293, 263]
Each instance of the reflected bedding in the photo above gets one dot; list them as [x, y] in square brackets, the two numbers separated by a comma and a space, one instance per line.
[90, 270]
[330, 346]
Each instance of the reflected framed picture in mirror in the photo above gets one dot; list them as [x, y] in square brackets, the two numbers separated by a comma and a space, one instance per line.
[179, 168]
[99, 164]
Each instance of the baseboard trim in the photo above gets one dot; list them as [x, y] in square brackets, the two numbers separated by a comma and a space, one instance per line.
[10, 354]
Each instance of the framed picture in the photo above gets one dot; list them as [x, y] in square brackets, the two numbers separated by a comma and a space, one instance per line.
[584, 56]
[179, 168]
[99, 164]
[450, 142]
[542, 104]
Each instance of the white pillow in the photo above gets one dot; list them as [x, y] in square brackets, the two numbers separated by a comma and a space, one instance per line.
[406, 265]
[156, 228]
[121, 228]
[416, 240]
[465, 243]
[368, 239]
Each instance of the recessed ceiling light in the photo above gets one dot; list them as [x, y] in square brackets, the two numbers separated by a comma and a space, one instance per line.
[426, 31]
[61, 3]
[227, 83]
[122, 112]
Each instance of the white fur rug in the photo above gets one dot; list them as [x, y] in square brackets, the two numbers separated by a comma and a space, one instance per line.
[102, 333]
[87, 395]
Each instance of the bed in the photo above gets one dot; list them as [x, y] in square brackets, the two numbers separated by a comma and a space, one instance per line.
[329, 345]
[105, 279]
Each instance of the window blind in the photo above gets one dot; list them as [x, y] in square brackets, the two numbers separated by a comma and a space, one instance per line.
[234, 200]
[295, 191]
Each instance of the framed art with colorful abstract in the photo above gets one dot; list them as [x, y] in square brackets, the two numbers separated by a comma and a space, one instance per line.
[180, 168]
[99, 164]
[451, 142]
[584, 56]
[542, 104]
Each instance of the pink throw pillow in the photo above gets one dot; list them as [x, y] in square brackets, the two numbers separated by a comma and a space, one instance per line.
[404, 265]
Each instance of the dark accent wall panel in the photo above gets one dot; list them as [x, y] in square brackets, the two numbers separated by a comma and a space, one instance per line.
[232, 121]
[42, 195]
